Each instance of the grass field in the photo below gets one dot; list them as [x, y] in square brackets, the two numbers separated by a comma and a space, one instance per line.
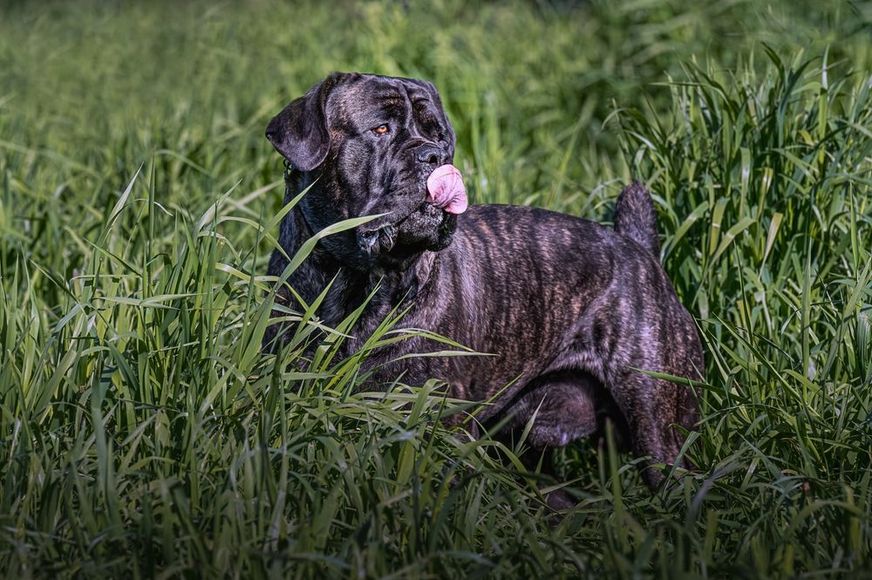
[142, 432]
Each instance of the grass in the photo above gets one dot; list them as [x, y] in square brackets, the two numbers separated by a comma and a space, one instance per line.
[142, 432]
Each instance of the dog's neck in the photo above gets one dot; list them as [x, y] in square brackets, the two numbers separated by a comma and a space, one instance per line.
[349, 287]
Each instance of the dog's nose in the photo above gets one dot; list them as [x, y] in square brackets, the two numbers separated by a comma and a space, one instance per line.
[272, 134]
[432, 154]
[274, 130]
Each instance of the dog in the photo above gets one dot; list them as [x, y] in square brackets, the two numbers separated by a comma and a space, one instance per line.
[576, 315]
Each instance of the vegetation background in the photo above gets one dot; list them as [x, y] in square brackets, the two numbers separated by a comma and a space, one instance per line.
[142, 432]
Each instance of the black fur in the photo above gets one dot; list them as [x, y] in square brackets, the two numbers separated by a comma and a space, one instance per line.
[636, 219]
[571, 310]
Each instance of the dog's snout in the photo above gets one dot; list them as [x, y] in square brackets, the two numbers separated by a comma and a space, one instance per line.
[432, 154]
[274, 131]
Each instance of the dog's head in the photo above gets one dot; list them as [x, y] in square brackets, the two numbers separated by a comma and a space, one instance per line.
[368, 145]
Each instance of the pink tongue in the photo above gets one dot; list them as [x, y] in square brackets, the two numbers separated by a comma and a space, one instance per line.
[445, 189]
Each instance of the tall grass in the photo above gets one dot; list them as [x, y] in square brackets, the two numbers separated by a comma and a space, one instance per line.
[143, 432]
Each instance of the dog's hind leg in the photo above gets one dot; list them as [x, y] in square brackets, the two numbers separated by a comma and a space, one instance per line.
[652, 410]
[622, 342]
[562, 407]
[555, 409]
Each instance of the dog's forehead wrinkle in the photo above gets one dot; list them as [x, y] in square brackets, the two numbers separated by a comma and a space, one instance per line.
[370, 100]
[346, 101]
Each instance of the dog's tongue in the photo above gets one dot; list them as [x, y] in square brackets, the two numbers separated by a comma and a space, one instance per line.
[445, 189]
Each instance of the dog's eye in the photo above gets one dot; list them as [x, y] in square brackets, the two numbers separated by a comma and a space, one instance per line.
[381, 130]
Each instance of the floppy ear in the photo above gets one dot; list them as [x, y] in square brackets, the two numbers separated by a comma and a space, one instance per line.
[300, 131]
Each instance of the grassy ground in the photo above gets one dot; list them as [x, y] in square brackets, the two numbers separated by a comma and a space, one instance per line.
[141, 430]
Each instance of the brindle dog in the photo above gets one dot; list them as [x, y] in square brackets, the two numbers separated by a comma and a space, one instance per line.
[573, 313]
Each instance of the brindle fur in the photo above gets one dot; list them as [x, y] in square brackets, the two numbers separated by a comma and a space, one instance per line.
[571, 310]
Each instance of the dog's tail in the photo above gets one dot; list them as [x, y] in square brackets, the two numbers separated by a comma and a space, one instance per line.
[636, 219]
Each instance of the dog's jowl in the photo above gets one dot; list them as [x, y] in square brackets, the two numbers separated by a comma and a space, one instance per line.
[576, 315]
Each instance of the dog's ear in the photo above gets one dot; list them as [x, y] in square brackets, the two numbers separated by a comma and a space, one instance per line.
[300, 131]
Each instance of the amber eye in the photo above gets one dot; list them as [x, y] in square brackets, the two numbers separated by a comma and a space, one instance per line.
[381, 130]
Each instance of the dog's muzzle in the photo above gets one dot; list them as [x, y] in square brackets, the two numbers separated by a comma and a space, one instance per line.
[377, 240]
